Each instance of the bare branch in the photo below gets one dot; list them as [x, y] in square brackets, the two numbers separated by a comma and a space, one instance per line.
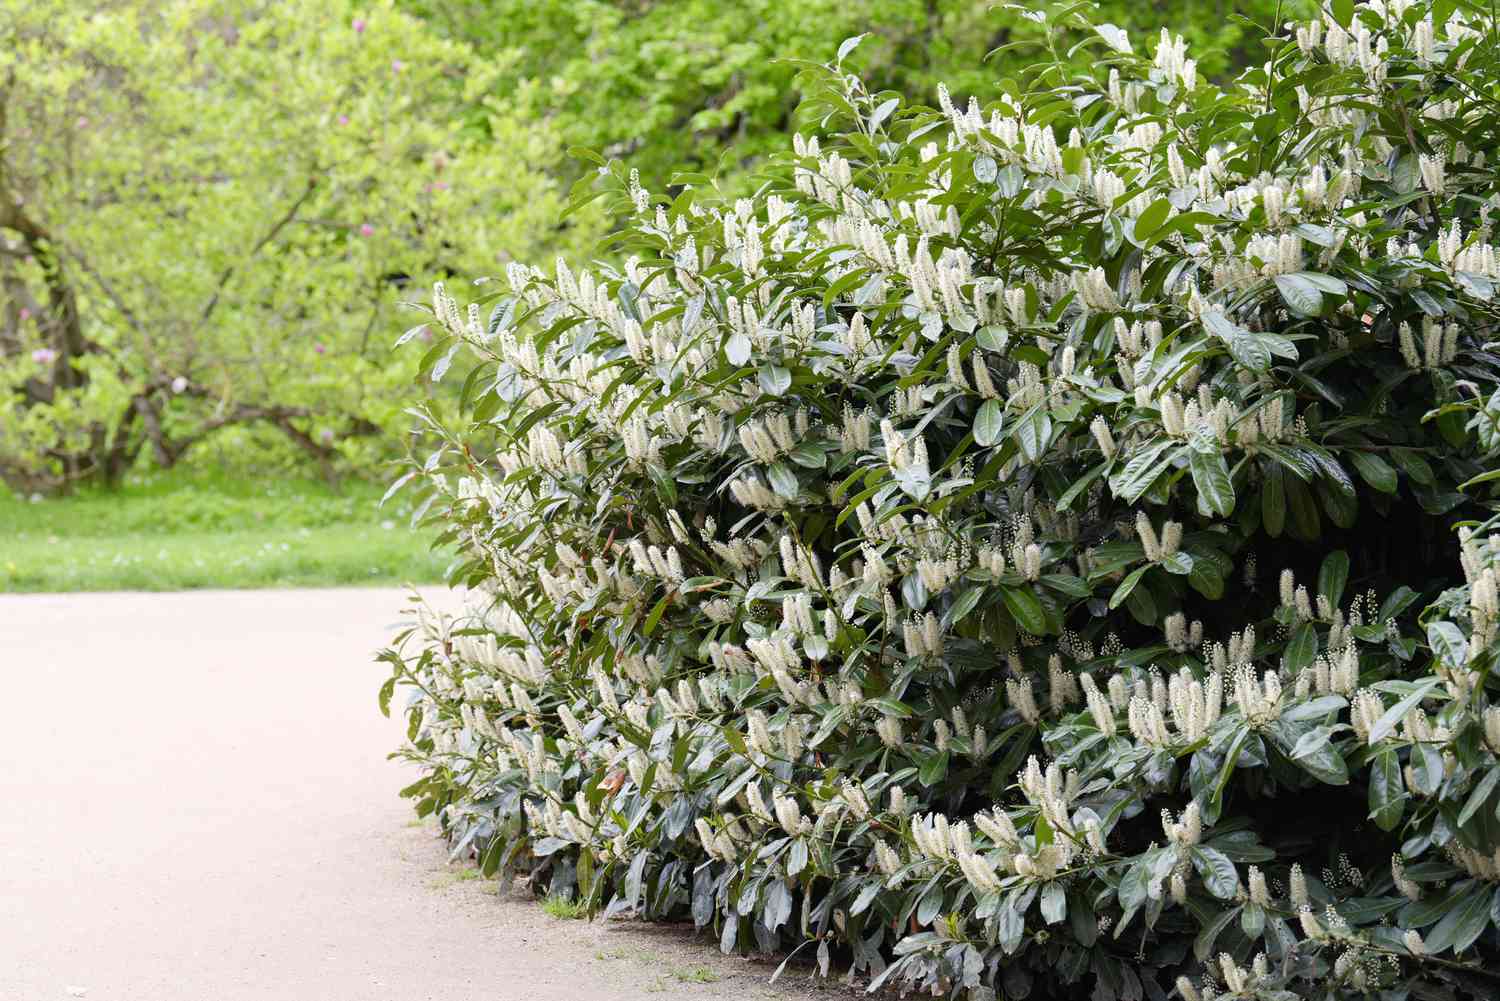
[145, 406]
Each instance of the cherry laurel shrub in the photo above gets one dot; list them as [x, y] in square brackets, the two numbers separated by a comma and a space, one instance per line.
[1035, 549]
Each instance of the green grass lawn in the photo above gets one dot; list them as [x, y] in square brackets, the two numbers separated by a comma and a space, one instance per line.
[168, 531]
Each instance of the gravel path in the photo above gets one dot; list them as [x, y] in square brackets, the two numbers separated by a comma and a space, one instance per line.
[195, 806]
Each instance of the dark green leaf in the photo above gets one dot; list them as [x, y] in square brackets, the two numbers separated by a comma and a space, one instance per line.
[989, 423]
[1374, 470]
[1301, 648]
[1273, 501]
[1332, 576]
[1211, 478]
[1217, 871]
[1300, 294]
[1480, 795]
[1203, 945]
[933, 768]
[1448, 643]
[1466, 918]
[1250, 351]
[1140, 472]
[1316, 754]
[656, 613]
[1207, 579]
[1396, 713]
[1179, 563]
[783, 480]
[1127, 585]
[1151, 219]
[1026, 609]
[1426, 769]
[1387, 791]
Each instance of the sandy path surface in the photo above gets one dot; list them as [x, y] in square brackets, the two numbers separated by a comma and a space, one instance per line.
[195, 806]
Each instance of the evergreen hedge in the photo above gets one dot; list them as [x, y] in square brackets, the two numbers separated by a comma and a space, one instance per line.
[1041, 549]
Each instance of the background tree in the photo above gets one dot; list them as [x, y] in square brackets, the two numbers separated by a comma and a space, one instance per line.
[696, 84]
[208, 211]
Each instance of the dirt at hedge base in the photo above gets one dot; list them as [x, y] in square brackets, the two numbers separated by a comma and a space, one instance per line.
[195, 805]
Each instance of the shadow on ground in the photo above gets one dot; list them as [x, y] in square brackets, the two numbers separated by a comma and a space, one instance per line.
[634, 958]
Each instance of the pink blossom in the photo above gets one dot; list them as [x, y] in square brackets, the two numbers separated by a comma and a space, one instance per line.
[318, 348]
[343, 119]
[25, 313]
[44, 356]
[397, 66]
[359, 26]
[366, 230]
[326, 436]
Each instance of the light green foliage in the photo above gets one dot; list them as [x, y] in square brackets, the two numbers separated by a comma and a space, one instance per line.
[563, 908]
[209, 210]
[696, 975]
[168, 531]
[1017, 550]
[699, 84]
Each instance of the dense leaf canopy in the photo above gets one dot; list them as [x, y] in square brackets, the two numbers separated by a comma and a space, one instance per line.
[1036, 546]
[696, 85]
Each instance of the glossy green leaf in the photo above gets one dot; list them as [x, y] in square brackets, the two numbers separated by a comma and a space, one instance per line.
[989, 423]
[1152, 218]
[1211, 478]
[1300, 295]
[1023, 604]
[1332, 576]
